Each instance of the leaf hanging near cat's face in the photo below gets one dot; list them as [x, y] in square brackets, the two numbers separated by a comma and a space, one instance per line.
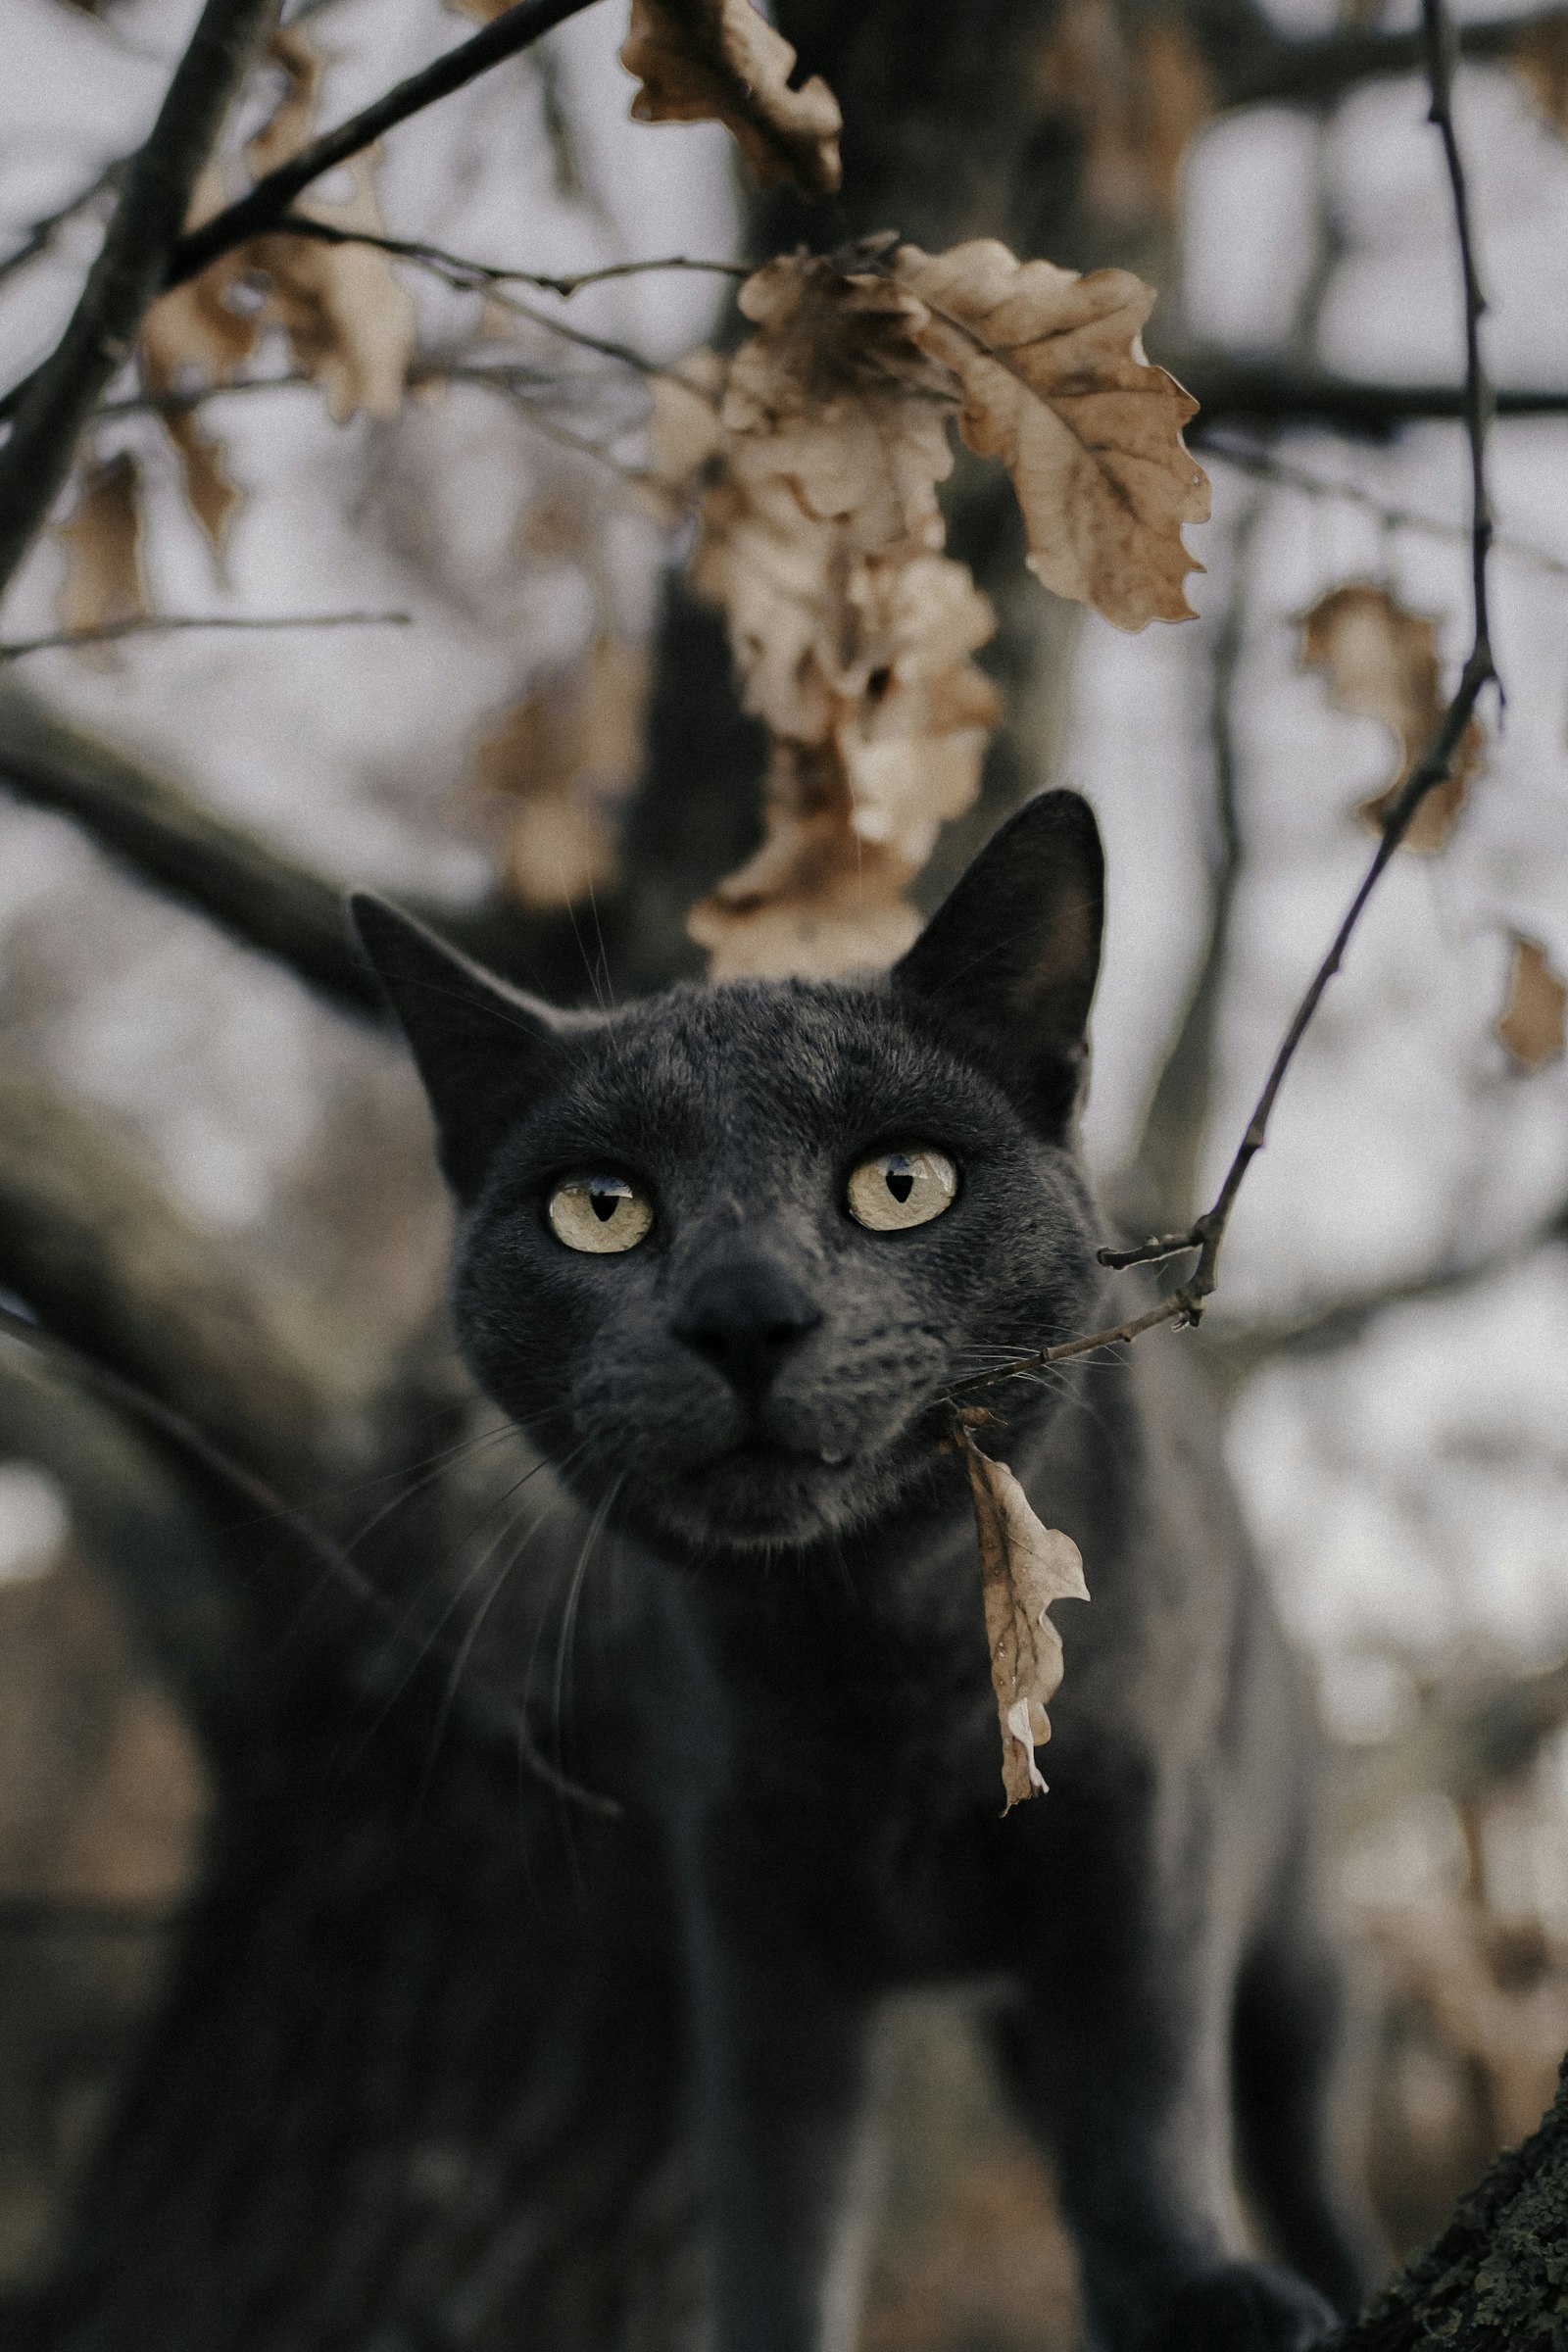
[1533, 1021]
[719, 61]
[566, 757]
[1024, 1567]
[1056, 384]
[1381, 661]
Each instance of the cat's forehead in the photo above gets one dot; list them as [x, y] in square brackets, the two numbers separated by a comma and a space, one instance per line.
[812, 1061]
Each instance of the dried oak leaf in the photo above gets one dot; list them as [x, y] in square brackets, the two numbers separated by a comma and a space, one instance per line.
[1024, 1567]
[350, 325]
[1056, 384]
[568, 755]
[719, 61]
[1532, 1022]
[1381, 661]
[105, 582]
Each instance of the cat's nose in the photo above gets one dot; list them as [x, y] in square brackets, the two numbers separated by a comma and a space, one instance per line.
[745, 1318]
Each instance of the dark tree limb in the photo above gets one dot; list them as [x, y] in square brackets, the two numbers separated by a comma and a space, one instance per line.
[1492, 2280]
[92, 1245]
[259, 892]
[1262, 393]
[1317, 71]
[127, 274]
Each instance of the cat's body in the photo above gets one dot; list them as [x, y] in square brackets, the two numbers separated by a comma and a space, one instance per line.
[753, 1389]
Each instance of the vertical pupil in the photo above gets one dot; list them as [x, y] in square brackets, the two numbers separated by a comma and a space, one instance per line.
[899, 1176]
[604, 1196]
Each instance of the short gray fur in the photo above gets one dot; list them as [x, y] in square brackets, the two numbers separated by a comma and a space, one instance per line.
[806, 1642]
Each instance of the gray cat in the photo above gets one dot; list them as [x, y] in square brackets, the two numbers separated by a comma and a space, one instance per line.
[725, 1253]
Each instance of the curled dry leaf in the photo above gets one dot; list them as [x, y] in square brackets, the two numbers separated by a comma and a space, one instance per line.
[104, 582]
[852, 633]
[1024, 1567]
[1381, 661]
[1136, 92]
[193, 338]
[1532, 1022]
[719, 61]
[1056, 384]
[566, 757]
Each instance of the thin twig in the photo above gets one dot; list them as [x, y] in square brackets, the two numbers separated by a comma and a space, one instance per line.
[1206, 1235]
[316, 1549]
[1264, 466]
[456, 266]
[41, 235]
[272, 195]
[124, 277]
[164, 625]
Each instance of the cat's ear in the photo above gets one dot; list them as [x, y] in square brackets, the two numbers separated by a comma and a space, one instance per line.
[481, 1047]
[1012, 953]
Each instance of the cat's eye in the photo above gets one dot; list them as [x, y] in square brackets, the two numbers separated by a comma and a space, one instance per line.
[899, 1189]
[600, 1214]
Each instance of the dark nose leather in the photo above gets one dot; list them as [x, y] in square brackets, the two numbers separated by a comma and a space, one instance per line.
[745, 1317]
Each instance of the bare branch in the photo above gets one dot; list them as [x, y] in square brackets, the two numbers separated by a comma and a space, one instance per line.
[1315, 73]
[163, 624]
[1229, 389]
[92, 1245]
[456, 268]
[1264, 466]
[41, 235]
[1462, 1751]
[262, 895]
[271, 198]
[124, 278]
[1207, 1234]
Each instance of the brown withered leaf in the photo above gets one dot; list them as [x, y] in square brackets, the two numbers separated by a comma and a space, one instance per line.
[1381, 662]
[192, 339]
[288, 128]
[1024, 1567]
[1056, 384]
[1539, 56]
[1532, 1022]
[105, 582]
[350, 325]
[567, 755]
[834, 393]
[1137, 93]
[719, 61]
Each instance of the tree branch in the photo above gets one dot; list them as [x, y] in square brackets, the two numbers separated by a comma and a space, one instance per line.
[124, 278]
[271, 196]
[256, 891]
[1315, 73]
[41, 235]
[1263, 393]
[1206, 1235]
[92, 1245]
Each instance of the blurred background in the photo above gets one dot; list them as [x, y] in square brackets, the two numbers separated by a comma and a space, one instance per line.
[553, 731]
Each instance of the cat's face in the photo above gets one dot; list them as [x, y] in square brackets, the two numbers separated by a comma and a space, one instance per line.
[726, 1253]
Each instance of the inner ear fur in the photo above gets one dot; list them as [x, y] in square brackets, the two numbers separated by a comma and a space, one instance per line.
[481, 1045]
[1012, 953]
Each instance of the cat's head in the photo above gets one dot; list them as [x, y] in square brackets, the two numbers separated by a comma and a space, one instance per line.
[724, 1251]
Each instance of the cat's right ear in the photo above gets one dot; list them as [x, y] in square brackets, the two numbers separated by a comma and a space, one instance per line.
[481, 1047]
[1012, 955]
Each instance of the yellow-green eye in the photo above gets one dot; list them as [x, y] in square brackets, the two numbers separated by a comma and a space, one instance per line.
[599, 1213]
[900, 1188]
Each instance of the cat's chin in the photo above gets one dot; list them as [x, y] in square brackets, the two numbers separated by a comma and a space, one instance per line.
[757, 1499]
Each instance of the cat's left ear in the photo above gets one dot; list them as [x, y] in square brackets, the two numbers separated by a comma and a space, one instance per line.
[1012, 953]
[482, 1048]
